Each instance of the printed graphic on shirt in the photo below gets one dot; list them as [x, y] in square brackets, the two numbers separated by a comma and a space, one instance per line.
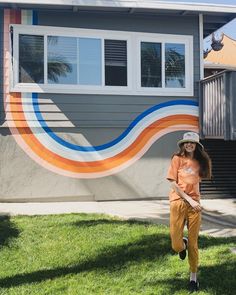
[189, 174]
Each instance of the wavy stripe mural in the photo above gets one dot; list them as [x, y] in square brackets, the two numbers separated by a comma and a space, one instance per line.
[44, 146]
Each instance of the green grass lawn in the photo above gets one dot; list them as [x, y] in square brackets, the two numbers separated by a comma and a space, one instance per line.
[86, 254]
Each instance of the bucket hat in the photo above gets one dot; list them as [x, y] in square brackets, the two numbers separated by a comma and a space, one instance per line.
[190, 137]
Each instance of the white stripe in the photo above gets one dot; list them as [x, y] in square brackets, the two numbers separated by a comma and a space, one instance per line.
[68, 153]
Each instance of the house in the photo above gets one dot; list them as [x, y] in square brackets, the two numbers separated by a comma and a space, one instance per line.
[220, 58]
[95, 94]
[218, 115]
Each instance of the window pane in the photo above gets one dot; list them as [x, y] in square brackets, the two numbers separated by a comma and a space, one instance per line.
[31, 59]
[175, 65]
[115, 62]
[90, 69]
[150, 64]
[62, 60]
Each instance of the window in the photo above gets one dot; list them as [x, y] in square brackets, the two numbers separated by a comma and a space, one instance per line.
[61, 60]
[151, 64]
[73, 60]
[175, 65]
[31, 59]
[116, 62]
[165, 65]
[66, 60]
[90, 61]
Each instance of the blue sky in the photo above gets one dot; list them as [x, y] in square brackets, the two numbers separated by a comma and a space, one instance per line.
[229, 29]
[232, 2]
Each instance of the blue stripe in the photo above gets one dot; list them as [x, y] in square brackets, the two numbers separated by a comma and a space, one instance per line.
[111, 143]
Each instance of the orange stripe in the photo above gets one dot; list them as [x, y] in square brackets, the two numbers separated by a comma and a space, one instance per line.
[97, 166]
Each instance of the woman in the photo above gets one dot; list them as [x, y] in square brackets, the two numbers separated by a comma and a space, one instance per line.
[188, 167]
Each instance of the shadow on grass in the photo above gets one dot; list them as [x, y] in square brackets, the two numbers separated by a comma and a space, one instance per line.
[149, 247]
[172, 285]
[7, 231]
[208, 241]
[215, 279]
[104, 221]
[204, 240]
[219, 279]
[113, 258]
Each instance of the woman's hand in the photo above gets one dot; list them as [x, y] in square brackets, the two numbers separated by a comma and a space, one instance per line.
[195, 205]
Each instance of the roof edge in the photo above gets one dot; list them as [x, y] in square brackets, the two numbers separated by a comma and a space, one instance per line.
[149, 4]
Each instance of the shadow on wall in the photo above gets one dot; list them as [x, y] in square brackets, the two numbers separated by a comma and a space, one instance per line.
[95, 120]
[83, 115]
[87, 114]
[145, 178]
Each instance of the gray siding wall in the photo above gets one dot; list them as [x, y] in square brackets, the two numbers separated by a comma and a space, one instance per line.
[107, 110]
[96, 119]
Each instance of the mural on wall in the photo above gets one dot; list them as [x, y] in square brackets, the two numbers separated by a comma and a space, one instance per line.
[60, 156]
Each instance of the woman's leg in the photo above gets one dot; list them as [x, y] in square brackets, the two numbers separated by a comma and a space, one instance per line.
[193, 224]
[178, 215]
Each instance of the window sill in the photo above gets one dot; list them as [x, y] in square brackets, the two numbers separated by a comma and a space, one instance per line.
[109, 90]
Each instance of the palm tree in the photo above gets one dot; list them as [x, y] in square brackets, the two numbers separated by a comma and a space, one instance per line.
[175, 66]
[31, 61]
[151, 64]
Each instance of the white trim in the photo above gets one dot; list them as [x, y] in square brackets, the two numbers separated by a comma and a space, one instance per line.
[102, 64]
[133, 40]
[69, 32]
[15, 59]
[45, 76]
[138, 4]
[163, 63]
[11, 59]
[201, 46]
[190, 64]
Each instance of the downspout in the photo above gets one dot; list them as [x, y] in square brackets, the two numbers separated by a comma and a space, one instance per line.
[201, 46]
[201, 66]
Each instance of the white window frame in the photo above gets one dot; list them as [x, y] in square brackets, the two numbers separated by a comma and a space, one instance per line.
[163, 39]
[133, 40]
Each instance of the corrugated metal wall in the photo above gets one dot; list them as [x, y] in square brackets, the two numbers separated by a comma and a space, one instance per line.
[2, 115]
[218, 106]
[213, 107]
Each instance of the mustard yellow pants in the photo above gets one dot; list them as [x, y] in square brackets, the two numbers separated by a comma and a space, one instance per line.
[180, 213]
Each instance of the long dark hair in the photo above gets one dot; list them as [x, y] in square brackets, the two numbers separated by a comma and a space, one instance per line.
[202, 157]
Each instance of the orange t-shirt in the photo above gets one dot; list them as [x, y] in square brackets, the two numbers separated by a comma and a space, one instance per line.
[185, 172]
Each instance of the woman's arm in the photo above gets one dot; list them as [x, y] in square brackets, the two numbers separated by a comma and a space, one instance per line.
[196, 206]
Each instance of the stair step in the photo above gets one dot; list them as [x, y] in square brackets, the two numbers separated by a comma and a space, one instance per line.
[223, 156]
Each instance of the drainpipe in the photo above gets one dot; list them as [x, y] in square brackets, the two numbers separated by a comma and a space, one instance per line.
[201, 46]
[201, 66]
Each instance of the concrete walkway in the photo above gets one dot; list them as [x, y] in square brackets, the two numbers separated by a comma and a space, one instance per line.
[219, 215]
